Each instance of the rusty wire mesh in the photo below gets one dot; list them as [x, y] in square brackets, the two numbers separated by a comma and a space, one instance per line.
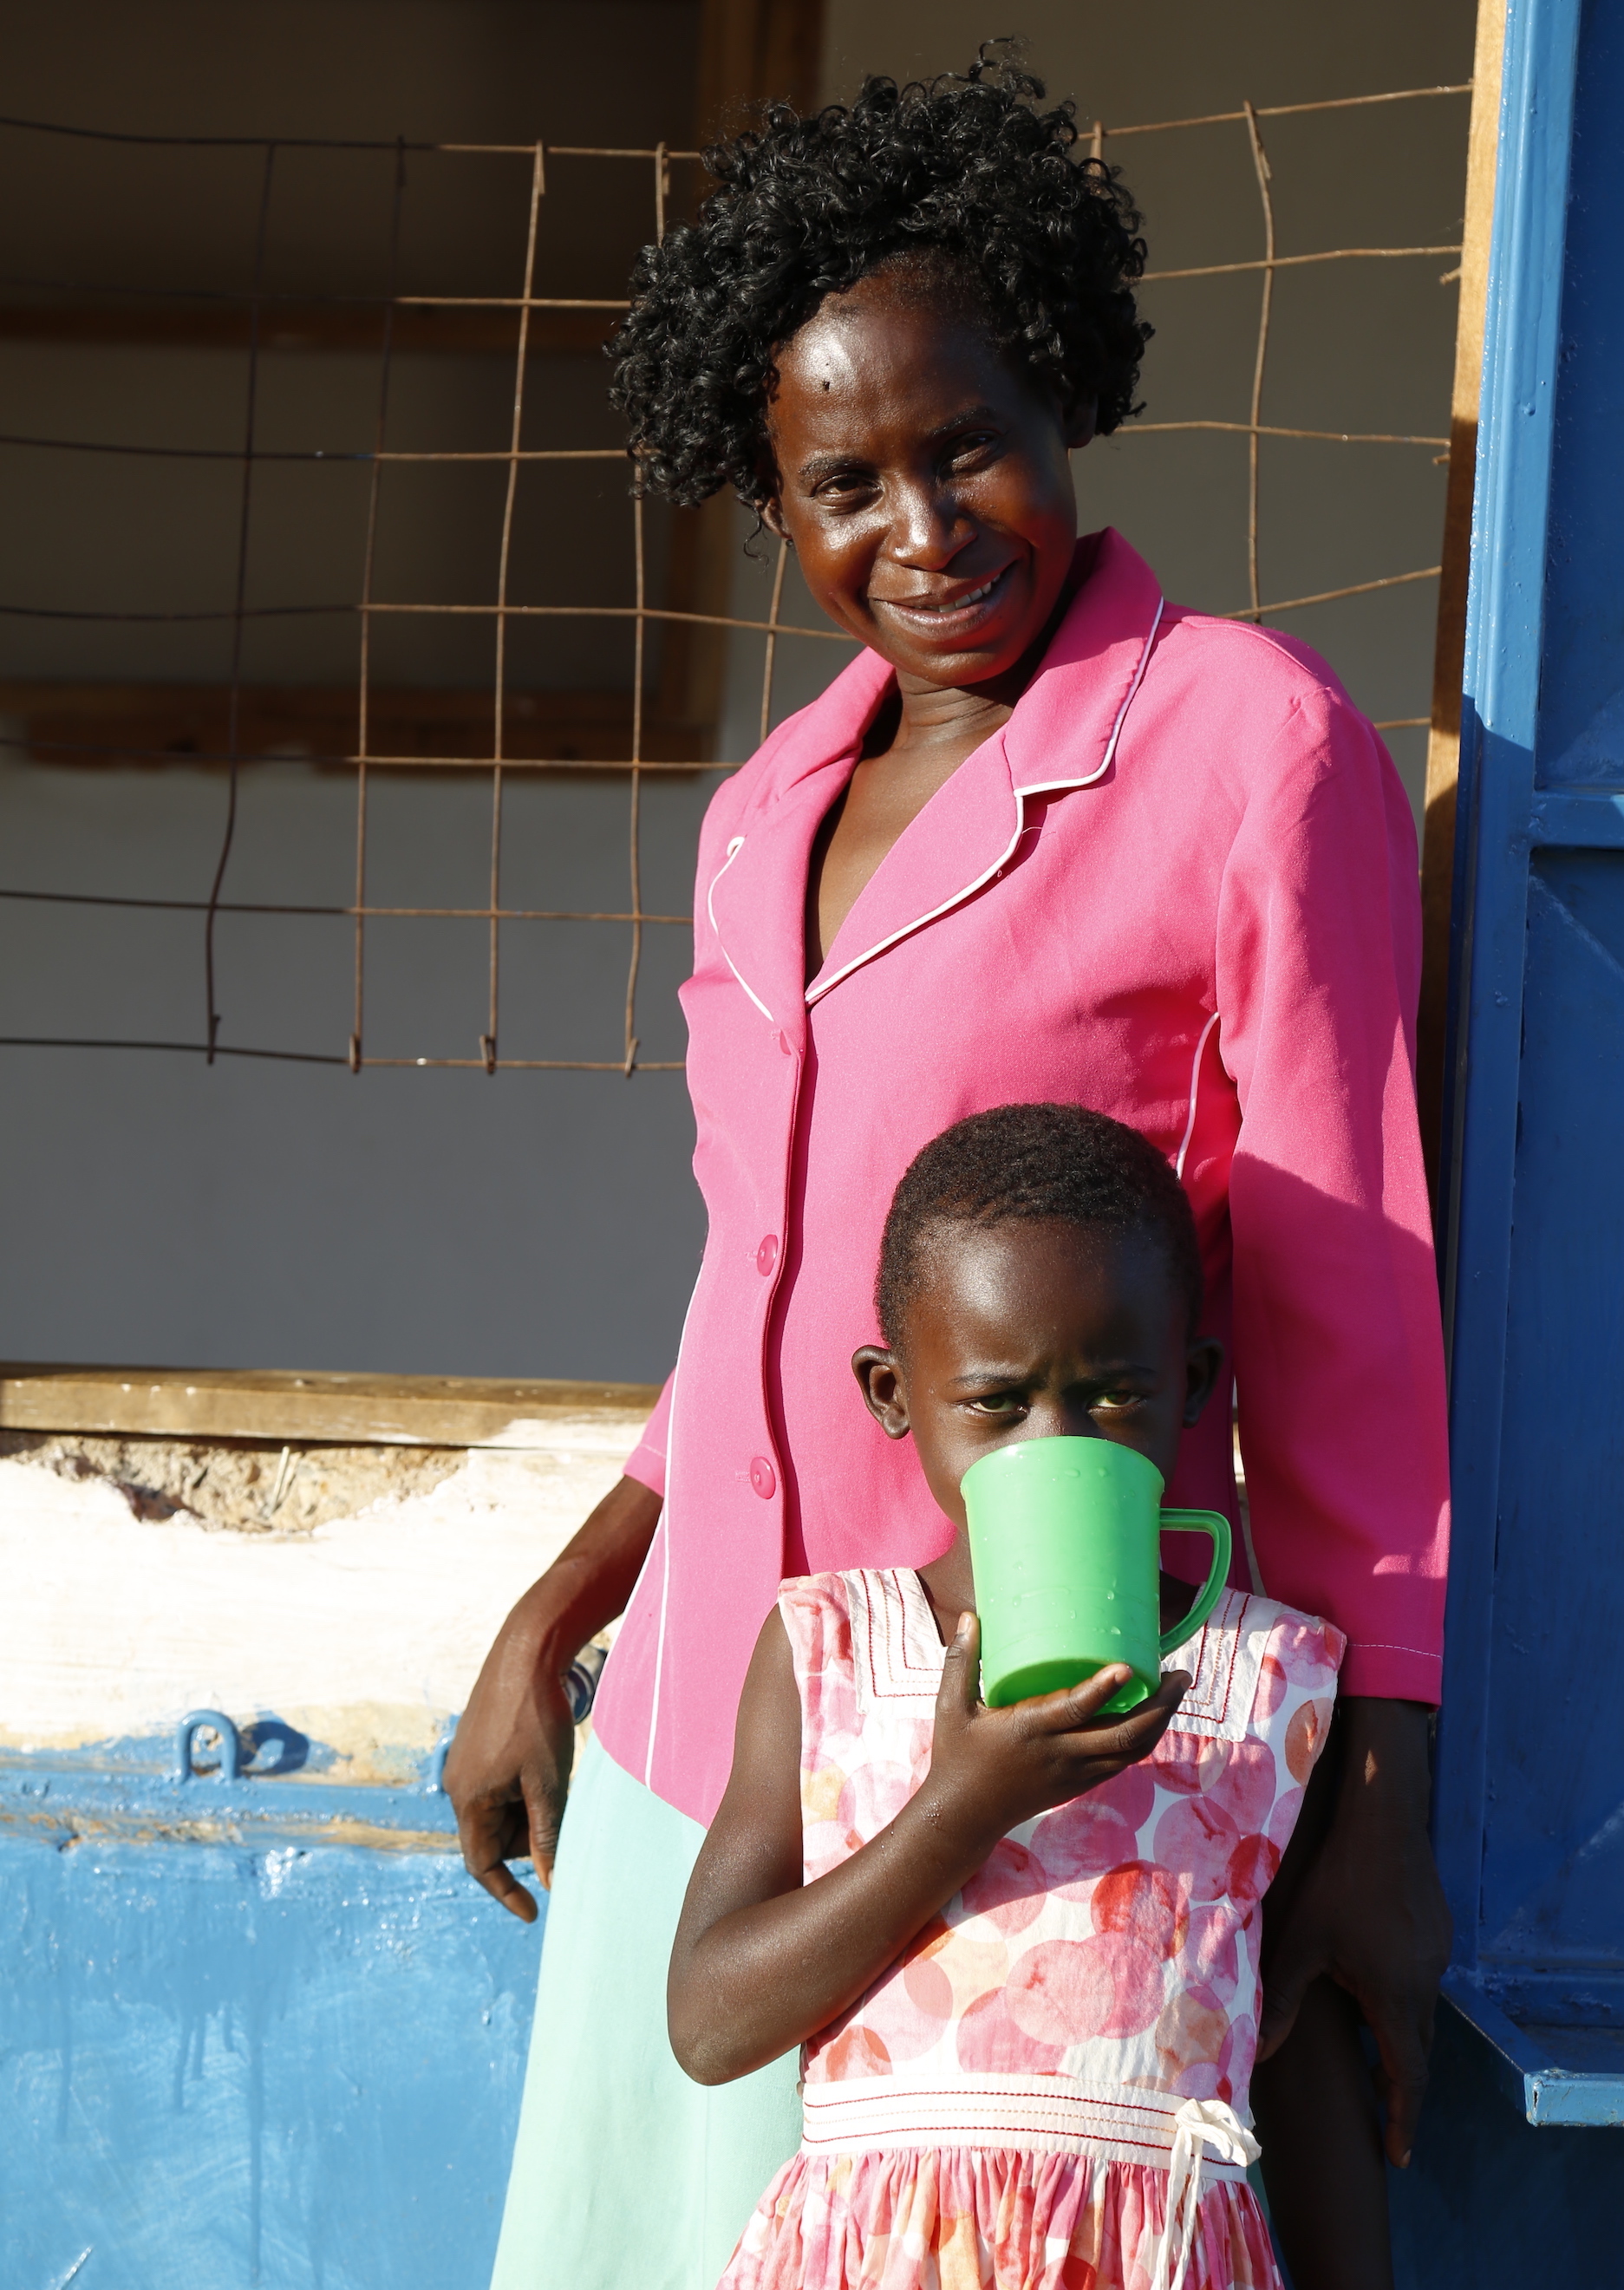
[503, 610]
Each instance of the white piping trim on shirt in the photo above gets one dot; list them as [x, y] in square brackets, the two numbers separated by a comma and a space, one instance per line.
[733, 849]
[1049, 787]
[659, 1646]
[815, 993]
[1189, 1126]
[1252, 1567]
[664, 1532]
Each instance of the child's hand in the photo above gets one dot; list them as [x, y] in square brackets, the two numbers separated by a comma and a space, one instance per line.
[995, 1768]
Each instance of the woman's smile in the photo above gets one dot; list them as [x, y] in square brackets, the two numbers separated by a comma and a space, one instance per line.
[953, 614]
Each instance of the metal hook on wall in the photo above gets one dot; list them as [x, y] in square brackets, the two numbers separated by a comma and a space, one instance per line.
[208, 1721]
[433, 1783]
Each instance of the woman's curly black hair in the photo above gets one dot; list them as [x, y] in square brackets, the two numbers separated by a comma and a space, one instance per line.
[963, 171]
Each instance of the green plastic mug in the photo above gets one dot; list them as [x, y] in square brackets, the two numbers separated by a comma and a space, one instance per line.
[1065, 1542]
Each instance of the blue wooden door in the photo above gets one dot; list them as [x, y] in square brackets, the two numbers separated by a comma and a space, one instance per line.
[1530, 1783]
[1529, 1803]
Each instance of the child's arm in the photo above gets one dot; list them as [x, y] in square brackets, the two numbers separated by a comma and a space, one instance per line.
[1315, 2103]
[761, 1960]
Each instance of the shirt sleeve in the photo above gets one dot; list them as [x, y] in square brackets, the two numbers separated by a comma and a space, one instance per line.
[1337, 1339]
[646, 1463]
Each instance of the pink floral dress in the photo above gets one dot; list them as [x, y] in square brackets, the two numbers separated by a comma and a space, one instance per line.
[1047, 2091]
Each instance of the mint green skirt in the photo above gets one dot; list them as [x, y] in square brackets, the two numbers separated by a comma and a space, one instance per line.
[626, 2176]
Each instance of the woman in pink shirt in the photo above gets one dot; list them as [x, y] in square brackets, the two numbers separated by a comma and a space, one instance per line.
[1049, 838]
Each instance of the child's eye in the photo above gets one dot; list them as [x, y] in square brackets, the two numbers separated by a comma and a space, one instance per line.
[998, 1403]
[1116, 1401]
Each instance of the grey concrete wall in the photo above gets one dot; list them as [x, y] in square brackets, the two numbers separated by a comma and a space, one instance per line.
[153, 1209]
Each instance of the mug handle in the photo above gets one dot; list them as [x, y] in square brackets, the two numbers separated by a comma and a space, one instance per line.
[1199, 1522]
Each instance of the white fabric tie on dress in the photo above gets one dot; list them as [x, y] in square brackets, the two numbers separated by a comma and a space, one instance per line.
[1199, 2124]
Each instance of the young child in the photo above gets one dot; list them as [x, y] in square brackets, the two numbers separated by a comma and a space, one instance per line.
[1019, 1947]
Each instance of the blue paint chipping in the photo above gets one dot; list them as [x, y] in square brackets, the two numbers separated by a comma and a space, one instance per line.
[284, 2066]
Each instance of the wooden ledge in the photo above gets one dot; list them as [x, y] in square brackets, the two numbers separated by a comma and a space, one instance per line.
[100, 724]
[395, 1411]
[475, 331]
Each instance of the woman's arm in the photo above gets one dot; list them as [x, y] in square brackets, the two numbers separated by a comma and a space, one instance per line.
[508, 1771]
[762, 1961]
[1338, 1342]
[1314, 2100]
[1370, 1911]
[1323, 2164]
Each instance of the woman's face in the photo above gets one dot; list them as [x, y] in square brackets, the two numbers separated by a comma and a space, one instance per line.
[924, 482]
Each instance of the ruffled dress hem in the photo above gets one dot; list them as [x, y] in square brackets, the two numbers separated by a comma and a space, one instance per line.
[981, 2218]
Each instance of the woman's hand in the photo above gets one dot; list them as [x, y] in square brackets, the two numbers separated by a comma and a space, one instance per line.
[992, 1769]
[1370, 1909]
[508, 1771]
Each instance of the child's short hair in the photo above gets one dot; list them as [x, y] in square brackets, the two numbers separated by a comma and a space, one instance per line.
[962, 179]
[1060, 1163]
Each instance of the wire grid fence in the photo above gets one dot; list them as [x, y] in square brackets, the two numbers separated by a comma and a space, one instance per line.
[503, 610]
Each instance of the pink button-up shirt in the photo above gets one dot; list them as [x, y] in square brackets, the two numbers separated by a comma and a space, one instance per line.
[1179, 886]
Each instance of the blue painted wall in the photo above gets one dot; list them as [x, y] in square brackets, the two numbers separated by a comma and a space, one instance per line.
[289, 2067]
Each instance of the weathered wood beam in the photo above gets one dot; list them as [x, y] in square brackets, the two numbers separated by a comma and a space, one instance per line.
[755, 52]
[164, 723]
[751, 53]
[1444, 743]
[417, 1411]
[357, 328]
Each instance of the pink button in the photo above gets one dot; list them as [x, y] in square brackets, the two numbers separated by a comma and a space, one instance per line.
[764, 1478]
[783, 1041]
[766, 1255]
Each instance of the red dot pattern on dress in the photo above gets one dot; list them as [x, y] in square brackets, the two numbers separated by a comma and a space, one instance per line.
[1305, 1737]
[989, 2040]
[1008, 1891]
[1143, 1899]
[1068, 1991]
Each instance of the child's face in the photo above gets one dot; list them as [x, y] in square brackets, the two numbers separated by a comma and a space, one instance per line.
[1031, 1331]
